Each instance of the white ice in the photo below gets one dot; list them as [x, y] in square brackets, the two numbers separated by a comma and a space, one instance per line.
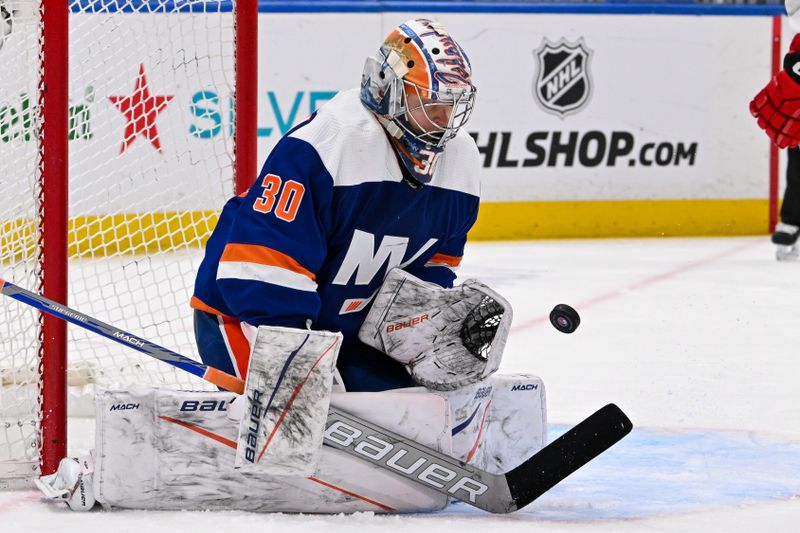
[694, 338]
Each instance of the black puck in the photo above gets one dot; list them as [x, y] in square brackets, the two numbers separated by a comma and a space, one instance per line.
[564, 318]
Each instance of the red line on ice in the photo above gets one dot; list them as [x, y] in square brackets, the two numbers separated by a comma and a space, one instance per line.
[652, 280]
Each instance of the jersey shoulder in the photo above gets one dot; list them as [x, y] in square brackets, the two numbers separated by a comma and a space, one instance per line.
[349, 141]
[459, 166]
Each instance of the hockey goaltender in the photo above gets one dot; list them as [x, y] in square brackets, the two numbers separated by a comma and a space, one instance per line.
[370, 377]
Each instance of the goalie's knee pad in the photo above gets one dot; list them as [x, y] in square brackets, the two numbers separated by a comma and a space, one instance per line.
[72, 483]
[500, 422]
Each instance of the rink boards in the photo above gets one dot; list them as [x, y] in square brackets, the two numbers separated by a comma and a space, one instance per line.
[590, 124]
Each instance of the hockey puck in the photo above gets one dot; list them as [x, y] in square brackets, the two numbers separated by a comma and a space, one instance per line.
[564, 318]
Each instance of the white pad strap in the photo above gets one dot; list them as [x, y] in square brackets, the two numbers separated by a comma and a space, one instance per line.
[287, 395]
[447, 338]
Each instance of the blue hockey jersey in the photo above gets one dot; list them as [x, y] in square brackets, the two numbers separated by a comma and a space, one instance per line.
[329, 215]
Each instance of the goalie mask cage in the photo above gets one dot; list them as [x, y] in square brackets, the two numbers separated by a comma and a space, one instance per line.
[124, 127]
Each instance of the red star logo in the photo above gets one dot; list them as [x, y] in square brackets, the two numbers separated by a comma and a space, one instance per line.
[141, 110]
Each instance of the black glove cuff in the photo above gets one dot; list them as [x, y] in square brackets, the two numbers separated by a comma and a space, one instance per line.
[791, 64]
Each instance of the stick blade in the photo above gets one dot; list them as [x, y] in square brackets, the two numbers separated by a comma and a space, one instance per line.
[566, 454]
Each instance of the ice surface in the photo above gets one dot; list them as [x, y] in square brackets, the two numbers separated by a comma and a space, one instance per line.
[696, 339]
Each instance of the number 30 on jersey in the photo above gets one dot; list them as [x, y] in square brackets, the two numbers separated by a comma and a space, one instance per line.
[282, 198]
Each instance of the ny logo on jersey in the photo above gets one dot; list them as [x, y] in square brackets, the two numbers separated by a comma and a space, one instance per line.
[366, 262]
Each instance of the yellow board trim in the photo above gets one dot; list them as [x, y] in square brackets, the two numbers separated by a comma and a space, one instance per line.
[93, 236]
[106, 235]
[17, 241]
[620, 218]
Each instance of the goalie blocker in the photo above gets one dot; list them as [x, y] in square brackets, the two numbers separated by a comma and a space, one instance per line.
[285, 402]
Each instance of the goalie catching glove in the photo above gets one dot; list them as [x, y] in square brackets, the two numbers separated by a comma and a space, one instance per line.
[777, 106]
[447, 338]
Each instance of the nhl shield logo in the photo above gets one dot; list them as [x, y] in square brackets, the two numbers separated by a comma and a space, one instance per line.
[563, 84]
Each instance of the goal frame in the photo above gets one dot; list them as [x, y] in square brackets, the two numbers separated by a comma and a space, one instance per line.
[54, 185]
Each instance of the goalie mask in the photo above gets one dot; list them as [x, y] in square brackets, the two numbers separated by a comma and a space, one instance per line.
[420, 87]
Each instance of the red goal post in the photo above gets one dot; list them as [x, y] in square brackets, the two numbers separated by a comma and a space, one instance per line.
[124, 126]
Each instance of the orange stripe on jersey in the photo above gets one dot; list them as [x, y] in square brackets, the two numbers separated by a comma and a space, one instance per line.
[238, 343]
[200, 305]
[449, 260]
[262, 255]
[352, 306]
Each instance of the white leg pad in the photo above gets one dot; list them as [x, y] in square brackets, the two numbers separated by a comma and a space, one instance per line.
[500, 422]
[159, 449]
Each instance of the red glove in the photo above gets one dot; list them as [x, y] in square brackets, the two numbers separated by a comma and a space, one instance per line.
[777, 106]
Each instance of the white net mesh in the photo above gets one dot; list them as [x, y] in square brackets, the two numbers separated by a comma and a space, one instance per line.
[151, 163]
[19, 215]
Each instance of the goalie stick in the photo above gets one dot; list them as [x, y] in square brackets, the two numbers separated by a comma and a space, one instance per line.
[496, 493]
[208, 373]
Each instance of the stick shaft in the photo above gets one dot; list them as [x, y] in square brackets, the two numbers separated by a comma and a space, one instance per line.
[210, 374]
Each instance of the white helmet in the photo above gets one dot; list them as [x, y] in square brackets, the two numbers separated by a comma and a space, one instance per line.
[420, 86]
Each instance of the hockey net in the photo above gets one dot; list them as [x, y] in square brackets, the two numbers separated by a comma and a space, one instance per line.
[151, 87]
